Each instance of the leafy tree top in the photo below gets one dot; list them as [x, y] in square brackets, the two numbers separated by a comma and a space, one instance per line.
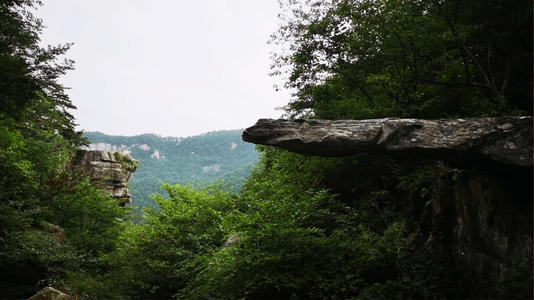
[29, 89]
[427, 58]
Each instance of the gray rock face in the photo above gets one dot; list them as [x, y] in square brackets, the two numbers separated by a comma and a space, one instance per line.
[506, 140]
[475, 220]
[110, 169]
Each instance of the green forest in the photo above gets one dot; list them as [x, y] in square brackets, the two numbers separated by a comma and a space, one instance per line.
[219, 156]
[299, 227]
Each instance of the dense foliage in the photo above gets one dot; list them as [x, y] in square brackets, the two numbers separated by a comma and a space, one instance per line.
[54, 224]
[284, 236]
[344, 228]
[426, 58]
[300, 227]
[197, 160]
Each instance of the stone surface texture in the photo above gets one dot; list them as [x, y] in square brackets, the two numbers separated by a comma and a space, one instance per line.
[476, 219]
[49, 293]
[110, 169]
[506, 140]
[481, 224]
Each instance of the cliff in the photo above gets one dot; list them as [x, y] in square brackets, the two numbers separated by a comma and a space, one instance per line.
[111, 170]
[473, 212]
[505, 140]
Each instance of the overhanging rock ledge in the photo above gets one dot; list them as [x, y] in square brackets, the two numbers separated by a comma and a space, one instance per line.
[504, 140]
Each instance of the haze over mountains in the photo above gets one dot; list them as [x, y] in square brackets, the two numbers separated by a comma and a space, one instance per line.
[201, 159]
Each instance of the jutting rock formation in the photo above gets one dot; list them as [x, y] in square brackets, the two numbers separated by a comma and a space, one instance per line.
[505, 140]
[476, 222]
[111, 170]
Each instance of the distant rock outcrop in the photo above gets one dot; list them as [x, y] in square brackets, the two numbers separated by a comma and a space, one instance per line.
[506, 140]
[111, 170]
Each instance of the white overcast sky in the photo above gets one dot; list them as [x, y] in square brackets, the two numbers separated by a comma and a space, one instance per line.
[169, 67]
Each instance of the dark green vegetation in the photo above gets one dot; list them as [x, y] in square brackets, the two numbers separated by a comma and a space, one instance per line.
[286, 236]
[361, 227]
[196, 160]
[421, 59]
[55, 227]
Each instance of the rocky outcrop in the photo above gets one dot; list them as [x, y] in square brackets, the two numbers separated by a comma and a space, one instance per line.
[111, 170]
[480, 224]
[49, 293]
[504, 140]
[475, 212]
[232, 240]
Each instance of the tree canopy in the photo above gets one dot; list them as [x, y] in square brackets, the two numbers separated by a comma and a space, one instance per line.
[30, 73]
[55, 224]
[426, 58]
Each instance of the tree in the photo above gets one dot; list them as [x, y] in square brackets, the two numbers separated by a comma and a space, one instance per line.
[427, 58]
[298, 240]
[29, 73]
[161, 256]
[40, 191]
[283, 237]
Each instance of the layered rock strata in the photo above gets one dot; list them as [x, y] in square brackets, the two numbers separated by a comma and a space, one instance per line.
[505, 140]
[111, 170]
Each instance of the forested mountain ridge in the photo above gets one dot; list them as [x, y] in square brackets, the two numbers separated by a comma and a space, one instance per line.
[201, 159]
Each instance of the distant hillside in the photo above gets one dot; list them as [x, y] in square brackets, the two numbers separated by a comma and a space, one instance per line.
[198, 159]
